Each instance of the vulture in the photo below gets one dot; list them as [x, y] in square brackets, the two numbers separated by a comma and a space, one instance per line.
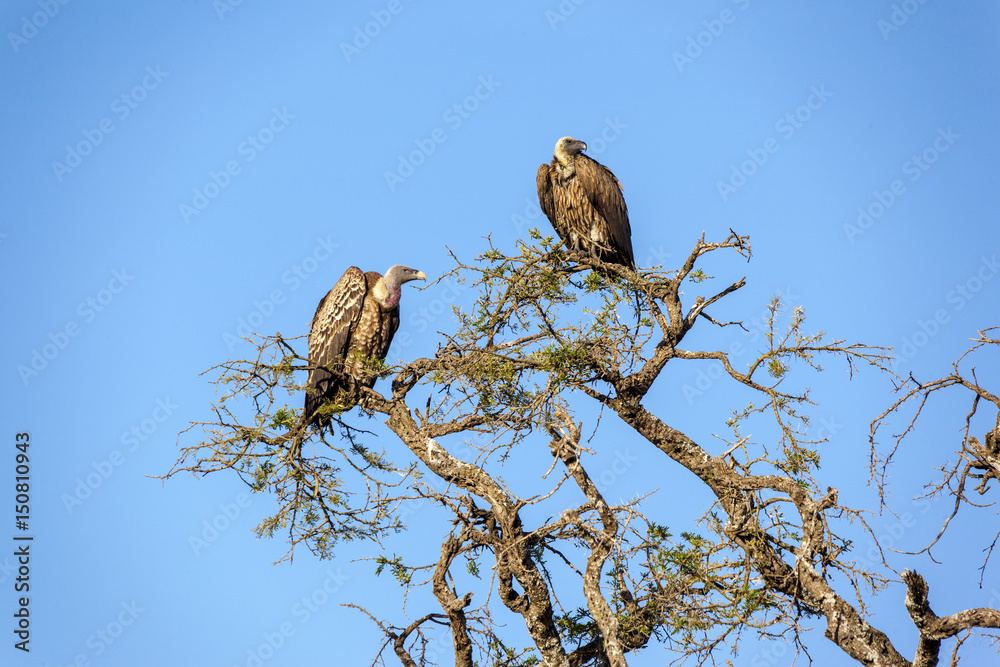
[583, 201]
[356, 320]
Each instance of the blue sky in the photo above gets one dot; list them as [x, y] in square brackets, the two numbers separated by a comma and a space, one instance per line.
[174, 170]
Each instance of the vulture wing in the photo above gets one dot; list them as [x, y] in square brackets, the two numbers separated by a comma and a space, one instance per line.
[604, 193]
[330, 335]
[544, 182]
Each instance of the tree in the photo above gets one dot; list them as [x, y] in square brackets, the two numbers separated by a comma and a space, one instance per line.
[554, 341]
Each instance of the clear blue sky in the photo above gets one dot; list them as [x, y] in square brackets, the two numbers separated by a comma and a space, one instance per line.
[173, 169]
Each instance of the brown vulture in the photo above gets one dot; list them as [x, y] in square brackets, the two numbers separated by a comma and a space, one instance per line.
[356, 320]
[583, 201]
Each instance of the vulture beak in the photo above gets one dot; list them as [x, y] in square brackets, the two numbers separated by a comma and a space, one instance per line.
[584, 145]
[419, 275]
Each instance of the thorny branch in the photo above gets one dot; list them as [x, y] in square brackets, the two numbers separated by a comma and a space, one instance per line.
[977, 466]
[547, 325]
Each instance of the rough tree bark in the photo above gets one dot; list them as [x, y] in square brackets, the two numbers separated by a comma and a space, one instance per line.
[552, 341]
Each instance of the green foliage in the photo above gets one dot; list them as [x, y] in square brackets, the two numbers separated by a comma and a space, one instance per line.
[519, 351]
[260, 479]
[541, 328]
[702, 590]
[472, 566]
[776, 369]
[284, 417]
[269, 526]
[787, 344]
[503, 656]
[577, 626]
[698, 276]
[400, 572]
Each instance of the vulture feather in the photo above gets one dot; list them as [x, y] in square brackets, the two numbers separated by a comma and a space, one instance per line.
[583, 200]
[355, 321]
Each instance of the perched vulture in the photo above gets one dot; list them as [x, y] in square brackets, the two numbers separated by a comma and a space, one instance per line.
[355, 320]
[583, 201]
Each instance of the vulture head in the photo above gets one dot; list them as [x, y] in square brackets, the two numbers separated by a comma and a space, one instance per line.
[392, 283]
[568, 147]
